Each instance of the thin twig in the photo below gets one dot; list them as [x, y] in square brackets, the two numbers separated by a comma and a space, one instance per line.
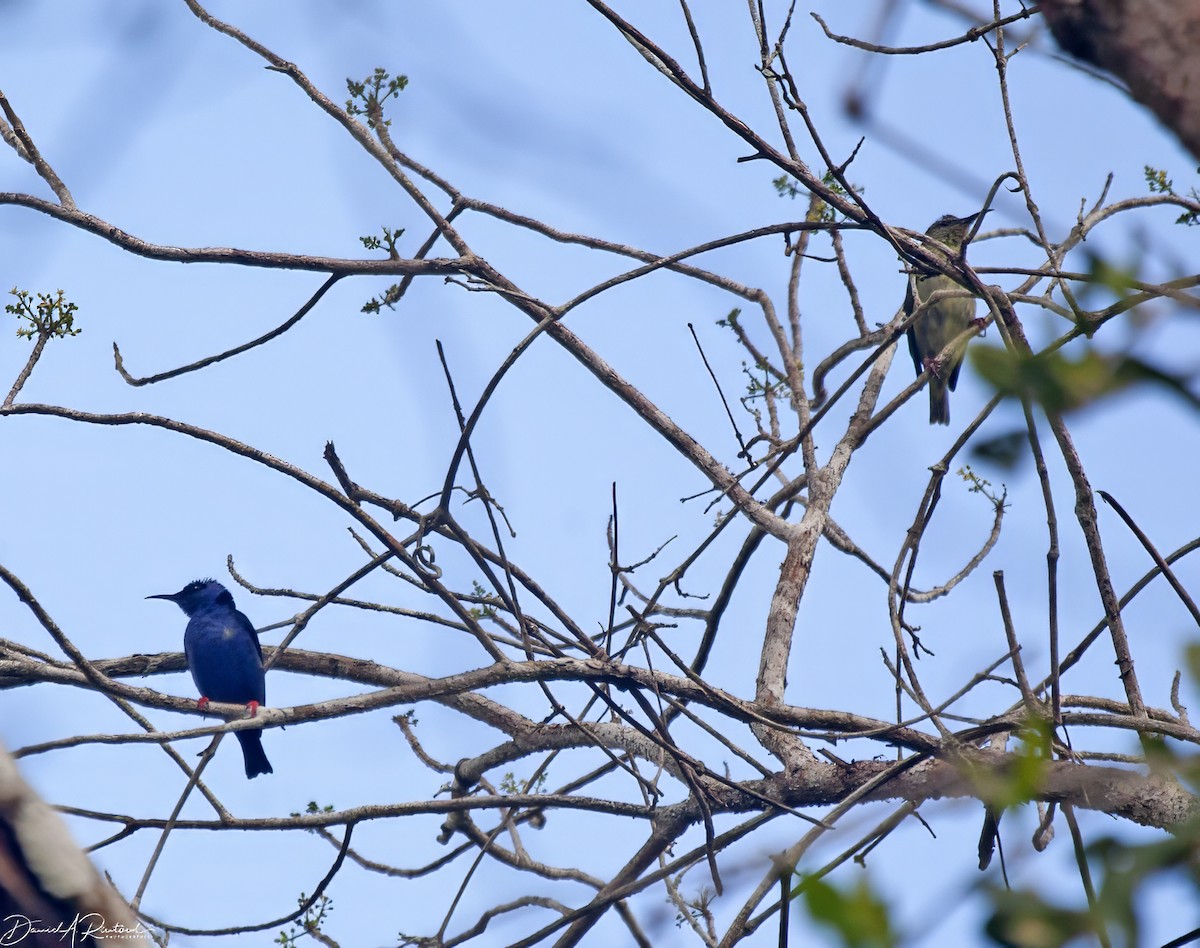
[237, 350]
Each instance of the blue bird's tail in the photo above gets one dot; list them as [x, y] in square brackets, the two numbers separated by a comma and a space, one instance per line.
[256, 760]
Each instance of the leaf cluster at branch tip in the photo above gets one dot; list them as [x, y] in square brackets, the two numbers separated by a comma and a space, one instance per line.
[368, 96]
[53, 315]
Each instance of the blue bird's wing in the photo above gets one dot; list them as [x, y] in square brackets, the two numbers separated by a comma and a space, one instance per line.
[225, 601]
[248, 626]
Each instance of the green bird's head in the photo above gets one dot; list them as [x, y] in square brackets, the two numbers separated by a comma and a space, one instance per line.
[951, 230]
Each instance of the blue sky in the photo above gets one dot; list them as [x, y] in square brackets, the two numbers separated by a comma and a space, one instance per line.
[178, 135]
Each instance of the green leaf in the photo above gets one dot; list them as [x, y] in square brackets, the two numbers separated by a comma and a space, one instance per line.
[1061, 383]
[1023, 919]
[1157, 181]
[856, 913]
[1120, 280]
[1007, 449]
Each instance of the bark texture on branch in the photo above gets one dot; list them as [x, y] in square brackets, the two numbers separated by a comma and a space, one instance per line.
[1150, 44]
[50, 893]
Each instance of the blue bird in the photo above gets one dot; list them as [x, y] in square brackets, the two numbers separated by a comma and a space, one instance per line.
[225, 658]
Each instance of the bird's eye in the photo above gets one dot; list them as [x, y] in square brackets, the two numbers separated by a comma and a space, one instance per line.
[193, 587]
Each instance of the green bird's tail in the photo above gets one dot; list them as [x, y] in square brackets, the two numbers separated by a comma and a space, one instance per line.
[939, 402]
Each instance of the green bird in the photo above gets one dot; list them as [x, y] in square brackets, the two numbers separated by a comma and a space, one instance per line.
[941, 323]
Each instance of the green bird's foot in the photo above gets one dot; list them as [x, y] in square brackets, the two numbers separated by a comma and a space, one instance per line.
[933, 365]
